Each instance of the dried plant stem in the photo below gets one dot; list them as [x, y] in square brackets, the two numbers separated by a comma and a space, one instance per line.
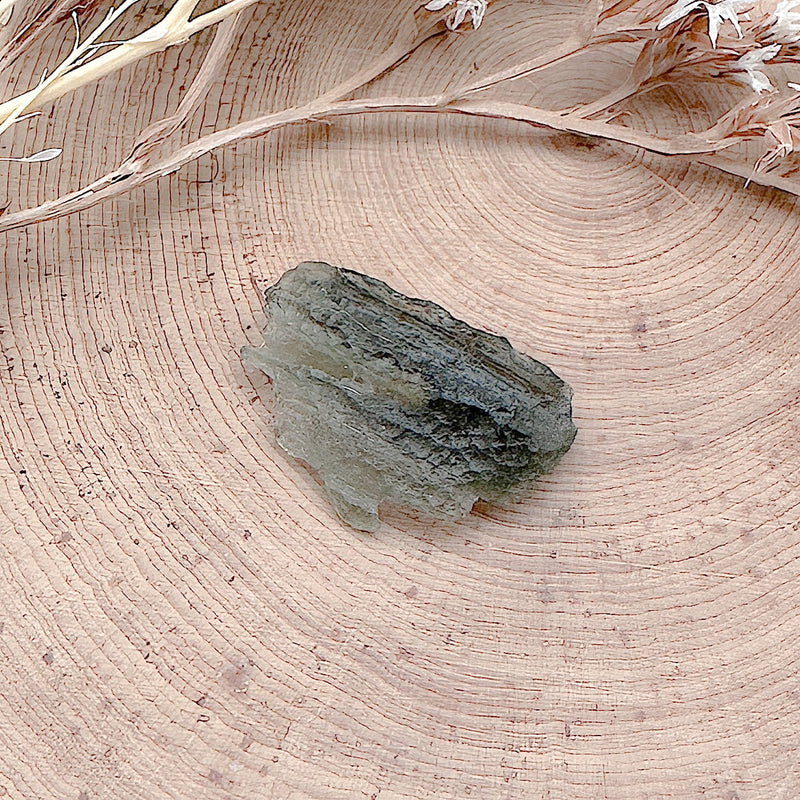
[136, 172]
[573, 46]
[687, 144]
[71, 74]
[137, 169]
[144, 165]
[545, 59]
[6, 6]
[612, 98]
[34, 27]
[156, 133]
[772, 180]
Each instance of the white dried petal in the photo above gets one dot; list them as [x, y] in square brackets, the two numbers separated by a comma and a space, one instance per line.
[786, 27]
[750, 64]
[722, 11]
[475, 8]
[43, 155]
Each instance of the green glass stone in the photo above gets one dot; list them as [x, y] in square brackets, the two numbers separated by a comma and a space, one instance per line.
[390, 398]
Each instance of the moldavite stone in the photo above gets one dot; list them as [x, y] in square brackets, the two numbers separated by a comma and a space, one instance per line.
[391, 398]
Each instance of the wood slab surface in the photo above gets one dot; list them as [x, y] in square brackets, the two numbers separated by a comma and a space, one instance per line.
[182, 615]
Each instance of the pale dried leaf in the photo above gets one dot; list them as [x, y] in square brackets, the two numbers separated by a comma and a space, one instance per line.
[718, 13]
[43, 155]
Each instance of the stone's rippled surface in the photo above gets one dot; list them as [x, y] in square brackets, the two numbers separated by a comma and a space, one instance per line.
[391, 398]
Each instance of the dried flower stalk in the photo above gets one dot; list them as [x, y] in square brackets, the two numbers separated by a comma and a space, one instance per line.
[731, 40]
[79, 68]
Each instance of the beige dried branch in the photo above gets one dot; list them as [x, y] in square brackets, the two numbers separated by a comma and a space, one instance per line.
[6, 7]
[33, 24]
[153, 135]
[133, 174]
[137, 169]
[686, 48]
[786, 183]
[76, 71]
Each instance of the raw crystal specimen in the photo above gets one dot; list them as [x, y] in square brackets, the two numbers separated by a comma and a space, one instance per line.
[391, 398]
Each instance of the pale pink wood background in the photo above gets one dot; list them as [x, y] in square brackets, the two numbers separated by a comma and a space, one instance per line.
[182, 615]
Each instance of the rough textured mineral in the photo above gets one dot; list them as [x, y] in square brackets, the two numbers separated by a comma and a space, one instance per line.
[391, 398]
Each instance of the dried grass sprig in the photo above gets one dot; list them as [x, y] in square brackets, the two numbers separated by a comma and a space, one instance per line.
[140, 167]
[39, 22]
[731, 40]
[92, 59]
